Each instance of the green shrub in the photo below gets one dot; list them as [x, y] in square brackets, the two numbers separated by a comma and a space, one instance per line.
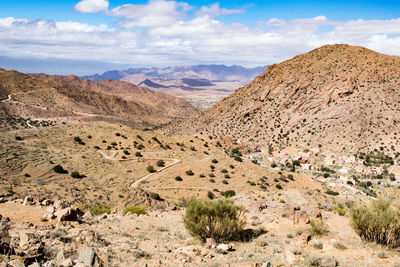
[155, 196]
[331, 192]
[210, 195]
[379, 223]
[178, 178]
[150, 169]
[97, 209]
[229, 193]
[189, 172]
[215, 161]
[134, 209]
[218, 219]
[160, 163]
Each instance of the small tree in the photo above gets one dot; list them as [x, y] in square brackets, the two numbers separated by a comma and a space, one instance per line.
[160, 163]
[222, 220]
[150, 169]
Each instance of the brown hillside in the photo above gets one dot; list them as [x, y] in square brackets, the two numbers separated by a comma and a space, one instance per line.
[166, 104]
[341, 97]
[46, 98]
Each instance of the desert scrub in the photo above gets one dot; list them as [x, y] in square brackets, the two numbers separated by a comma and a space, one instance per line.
[189, 172]
[219, 219]
[317, 227]
[150, 169]
[97, 209]
[134, 209]
[76, 174]
[379, 223]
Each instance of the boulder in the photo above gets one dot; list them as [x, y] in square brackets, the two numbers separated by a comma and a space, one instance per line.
[210, 243]
[225, 247]
[28, 200]
[328, 262]
[61, 204]
[67, 214]
[16, 263]
[88, 256]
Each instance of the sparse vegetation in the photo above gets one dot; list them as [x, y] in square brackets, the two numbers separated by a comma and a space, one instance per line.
[219, 219]
[98, 209]
[59, 169]
[379, 223]
[134, 210]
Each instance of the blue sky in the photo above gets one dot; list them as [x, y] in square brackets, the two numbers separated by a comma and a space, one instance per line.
[163, 33]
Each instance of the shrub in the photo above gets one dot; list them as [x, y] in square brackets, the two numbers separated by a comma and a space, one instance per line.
[76, 174]
[215, 161]
[155, 196]
[59, 169]
[178, 178]
[331, 192]
[379, 223]
[97, 209]
[224, 171]
[229, 193]
[134, 209]
[225, 182]
[160, 163]
[317, 227]
[189, 172]
[126, 152]
[221, 220]
[78, 140]
[19, 138]
[138, 154]
[237, 158]
[210, 195]
[150, 169]
[279, 186]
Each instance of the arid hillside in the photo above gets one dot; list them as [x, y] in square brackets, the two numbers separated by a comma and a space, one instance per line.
[64, 99]
[166, 104]
[341, 97]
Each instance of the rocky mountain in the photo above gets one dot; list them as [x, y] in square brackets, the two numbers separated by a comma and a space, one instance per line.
[209, 72]
[201, 85]
[56, 98]
[340, 97]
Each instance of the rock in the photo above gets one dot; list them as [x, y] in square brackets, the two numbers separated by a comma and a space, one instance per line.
[50, 209]
[328, 262]
[16, 263]
[35, 264]
[49, 264]
[30, 245]
[170, 208]
[47, 202]
[301, 217]
[305, 238]
[4, 237]
[67, 214]
[67, 263]
[3, 200]
[28, 200]
[210, 243]
[88, 256]
[290, 257]
[61, 204]
[60, 256]
[225, 248]
[266, 264]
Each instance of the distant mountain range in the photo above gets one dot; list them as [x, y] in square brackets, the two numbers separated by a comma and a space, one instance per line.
[207, 72]
[201, 85]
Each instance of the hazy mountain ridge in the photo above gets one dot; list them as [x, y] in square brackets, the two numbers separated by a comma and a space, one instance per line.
[208, 72]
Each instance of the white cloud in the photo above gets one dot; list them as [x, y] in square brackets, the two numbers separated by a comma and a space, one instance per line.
[91, 6]
[215, 10]
[155, 13]
[169, 37]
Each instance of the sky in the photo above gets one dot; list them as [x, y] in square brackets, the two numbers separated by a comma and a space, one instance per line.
[89, 36]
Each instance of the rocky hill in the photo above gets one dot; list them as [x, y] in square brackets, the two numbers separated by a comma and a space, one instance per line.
[42, 97]
[340, 97]
[158, 102]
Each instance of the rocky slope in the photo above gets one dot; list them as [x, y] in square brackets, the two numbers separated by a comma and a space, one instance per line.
[41, 97]
[341, 97]
[160, 103]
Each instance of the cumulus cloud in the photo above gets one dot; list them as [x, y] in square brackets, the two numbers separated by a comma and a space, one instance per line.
[215, 10]
[91, 6]
[169, 35]
[155, 13]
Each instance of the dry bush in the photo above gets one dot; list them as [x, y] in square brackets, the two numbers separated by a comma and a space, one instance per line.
[379, 223]
[219, 219]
